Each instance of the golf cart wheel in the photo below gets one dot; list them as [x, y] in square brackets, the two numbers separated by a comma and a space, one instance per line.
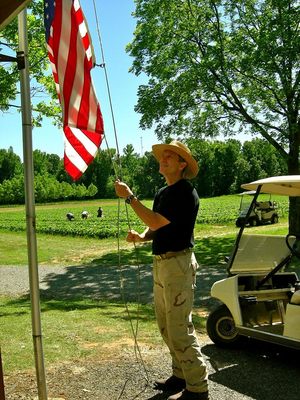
[238, 223]
[253, 222]
[221, 328]
[274, 219]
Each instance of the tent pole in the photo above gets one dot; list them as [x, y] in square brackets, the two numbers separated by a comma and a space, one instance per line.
[30, 207]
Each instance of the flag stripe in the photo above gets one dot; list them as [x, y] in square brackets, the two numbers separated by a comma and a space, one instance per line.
[71, 168]
[71, 60]
[81, 152]
[89, 145]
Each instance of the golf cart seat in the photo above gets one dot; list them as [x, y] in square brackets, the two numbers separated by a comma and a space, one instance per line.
[259, 254]
[264, 205]
[296, 298]
[257, 262]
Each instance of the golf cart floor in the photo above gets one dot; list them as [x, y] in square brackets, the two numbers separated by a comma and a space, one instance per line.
[276, 329]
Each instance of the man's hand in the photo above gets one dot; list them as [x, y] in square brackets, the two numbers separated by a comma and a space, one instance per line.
[134, 236]
[122, 190]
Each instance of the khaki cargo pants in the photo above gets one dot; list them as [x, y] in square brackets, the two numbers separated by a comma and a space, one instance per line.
[174, 282]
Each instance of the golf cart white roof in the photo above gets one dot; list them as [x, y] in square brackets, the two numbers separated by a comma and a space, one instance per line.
[284, 185]
[248, 192]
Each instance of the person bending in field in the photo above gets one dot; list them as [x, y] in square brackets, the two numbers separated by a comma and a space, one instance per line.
[84, 214]
[170, 226]
[70, 216]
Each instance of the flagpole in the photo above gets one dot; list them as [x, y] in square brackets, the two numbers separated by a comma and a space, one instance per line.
[30, 206]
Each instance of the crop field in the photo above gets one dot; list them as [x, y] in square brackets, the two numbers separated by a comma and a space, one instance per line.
[51, 219]
[117, 218]
[225, 209]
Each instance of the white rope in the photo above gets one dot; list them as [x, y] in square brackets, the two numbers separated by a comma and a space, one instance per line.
[134, 330]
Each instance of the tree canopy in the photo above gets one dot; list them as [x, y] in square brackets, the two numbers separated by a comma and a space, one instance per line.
[220, 67]
[223, 167]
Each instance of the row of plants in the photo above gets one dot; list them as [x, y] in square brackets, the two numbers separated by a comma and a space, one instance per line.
[54, 221]
[51, 219]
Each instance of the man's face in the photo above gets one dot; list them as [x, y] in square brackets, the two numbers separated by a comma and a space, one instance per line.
[171, 164]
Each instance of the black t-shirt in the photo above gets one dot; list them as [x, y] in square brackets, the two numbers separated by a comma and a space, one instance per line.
[179, 203]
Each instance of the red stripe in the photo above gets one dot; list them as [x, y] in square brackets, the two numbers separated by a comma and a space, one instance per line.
[83, 114]
[77, 145]
[94, 137]
[74, 172]
[99, 123]
[71, 66]
[86, 41]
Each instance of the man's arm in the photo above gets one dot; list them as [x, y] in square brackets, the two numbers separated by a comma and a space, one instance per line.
[150, 218]
[145, 236]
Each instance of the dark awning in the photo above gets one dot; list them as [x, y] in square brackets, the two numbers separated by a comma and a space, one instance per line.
[10, 9]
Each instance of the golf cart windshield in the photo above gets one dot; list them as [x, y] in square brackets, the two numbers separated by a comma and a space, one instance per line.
[240, 256]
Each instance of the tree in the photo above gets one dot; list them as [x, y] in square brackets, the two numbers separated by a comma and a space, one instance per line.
[10, 164]
[146, 177]
[12, 191]
[203, 151]
[99, 171]
[263, 160]
[129, 164]
[42, 162]
[41, 76]
[221, 66]
[217, 166]
[226, 155]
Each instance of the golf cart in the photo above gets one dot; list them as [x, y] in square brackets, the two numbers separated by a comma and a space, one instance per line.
[260, 299]
[262, 212]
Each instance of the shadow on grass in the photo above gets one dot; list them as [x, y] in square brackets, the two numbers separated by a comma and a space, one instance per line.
[102, 280]
[107, 309]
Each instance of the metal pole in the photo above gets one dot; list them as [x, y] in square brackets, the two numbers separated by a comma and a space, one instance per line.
[2, 392]
[30, 208]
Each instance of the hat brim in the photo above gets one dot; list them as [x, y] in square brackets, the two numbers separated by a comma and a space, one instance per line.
[192, 168]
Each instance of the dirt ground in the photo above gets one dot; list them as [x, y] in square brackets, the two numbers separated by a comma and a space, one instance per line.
[253, 373]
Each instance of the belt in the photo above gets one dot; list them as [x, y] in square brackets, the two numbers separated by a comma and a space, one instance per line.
[170, 254]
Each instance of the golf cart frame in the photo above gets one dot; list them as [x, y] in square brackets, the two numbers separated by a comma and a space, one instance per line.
[258, 298]
[262, 212]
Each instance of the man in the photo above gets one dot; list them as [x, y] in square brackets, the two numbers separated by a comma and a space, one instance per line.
[170, 226]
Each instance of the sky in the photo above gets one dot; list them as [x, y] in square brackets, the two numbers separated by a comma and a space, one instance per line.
[116, 26]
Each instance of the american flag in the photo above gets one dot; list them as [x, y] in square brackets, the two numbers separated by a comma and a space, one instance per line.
[71, 56]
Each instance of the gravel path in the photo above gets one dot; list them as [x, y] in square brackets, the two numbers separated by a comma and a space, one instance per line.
[98, 282]
[257, 372]
[15, 279]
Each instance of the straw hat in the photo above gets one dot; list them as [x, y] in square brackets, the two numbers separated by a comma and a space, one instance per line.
[183, 151]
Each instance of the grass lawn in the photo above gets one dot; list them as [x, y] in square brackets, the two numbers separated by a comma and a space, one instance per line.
[55, 249]
[72, 330]
[80, 327]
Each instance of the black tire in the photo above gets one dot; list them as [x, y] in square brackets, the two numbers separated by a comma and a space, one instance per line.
[274, 219]
[238, 223]
[221, 328]
[253, 222]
